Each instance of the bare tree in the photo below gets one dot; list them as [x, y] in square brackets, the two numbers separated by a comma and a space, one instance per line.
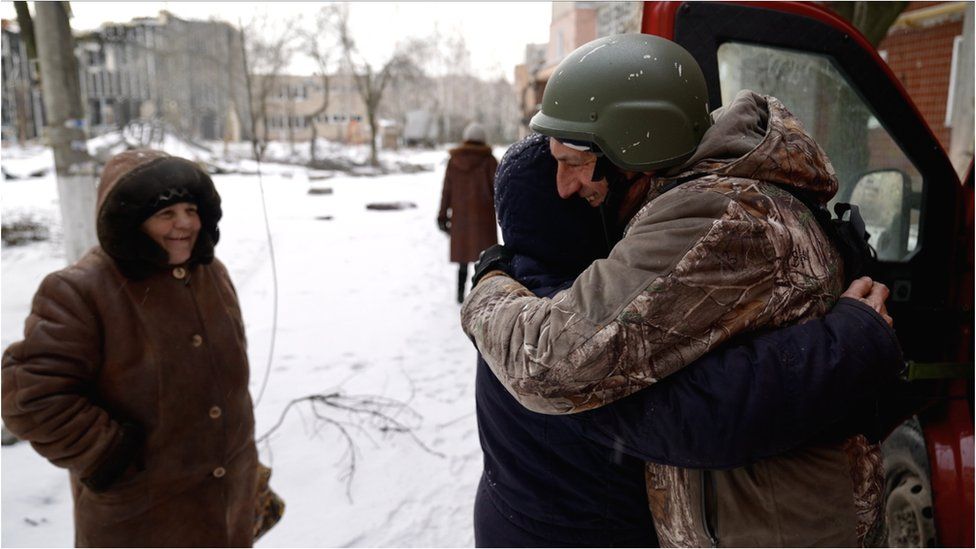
[845, 137]
[450, 90]
[24, 82]
[66, 126]
[873, 19]
[501, 110]
[460, 100]
[266, 52]
[291, 95]
[319, 44]
[26, 24]
[372, 82]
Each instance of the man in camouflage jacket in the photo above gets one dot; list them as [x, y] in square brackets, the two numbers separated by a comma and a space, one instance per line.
[720, 246]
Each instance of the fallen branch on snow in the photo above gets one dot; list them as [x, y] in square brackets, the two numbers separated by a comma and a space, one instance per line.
[360, 411]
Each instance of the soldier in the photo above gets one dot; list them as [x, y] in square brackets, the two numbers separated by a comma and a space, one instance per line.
[717, 240]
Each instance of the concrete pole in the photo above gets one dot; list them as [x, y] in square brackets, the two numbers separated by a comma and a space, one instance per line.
[961, 137]
[65, 129]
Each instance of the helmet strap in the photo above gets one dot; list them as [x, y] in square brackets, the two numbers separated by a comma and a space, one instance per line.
[618, 183]
[602, 169]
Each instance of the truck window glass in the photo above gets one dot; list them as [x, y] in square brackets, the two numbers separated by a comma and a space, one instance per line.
[873, 171]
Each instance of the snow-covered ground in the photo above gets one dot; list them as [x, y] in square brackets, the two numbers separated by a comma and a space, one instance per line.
[366, 306]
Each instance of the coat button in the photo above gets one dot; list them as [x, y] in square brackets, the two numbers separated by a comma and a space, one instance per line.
[215, 412]
[179, 273]
[197, 340]
[219, 472]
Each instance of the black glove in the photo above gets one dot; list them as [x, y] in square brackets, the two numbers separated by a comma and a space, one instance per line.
[444, 225]
[495, 258]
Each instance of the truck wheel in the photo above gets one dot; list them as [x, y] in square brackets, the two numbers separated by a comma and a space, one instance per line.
[908, 493]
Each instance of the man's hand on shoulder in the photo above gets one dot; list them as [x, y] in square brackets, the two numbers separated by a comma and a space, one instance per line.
[871, 293]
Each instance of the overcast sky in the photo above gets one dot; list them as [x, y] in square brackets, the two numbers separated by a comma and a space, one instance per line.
[496, 32]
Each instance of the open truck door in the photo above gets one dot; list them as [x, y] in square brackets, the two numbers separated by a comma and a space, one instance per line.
[918, 213]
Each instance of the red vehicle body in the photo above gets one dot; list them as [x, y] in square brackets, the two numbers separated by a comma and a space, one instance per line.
[931, 277]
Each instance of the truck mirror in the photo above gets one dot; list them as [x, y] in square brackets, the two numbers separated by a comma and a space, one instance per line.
[885, 199]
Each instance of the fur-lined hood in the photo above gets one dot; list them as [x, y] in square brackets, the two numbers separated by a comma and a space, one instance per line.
[129, 192]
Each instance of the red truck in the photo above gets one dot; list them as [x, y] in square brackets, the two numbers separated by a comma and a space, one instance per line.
[919, 215]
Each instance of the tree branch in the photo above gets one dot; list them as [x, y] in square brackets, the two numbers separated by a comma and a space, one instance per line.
[375, 411]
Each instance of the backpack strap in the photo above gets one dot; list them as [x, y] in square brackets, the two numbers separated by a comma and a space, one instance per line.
[847, 232]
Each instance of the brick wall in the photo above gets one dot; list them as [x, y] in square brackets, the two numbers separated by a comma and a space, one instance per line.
[921, 59]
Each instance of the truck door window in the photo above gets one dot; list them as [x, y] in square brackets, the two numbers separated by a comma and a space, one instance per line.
[872, 170]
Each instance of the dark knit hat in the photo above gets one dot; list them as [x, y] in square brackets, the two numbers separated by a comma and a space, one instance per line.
[137, 184]
[564, 234]
[166, 198]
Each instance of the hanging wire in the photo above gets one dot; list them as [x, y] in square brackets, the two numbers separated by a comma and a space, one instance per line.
[274, 288]
[264, 209]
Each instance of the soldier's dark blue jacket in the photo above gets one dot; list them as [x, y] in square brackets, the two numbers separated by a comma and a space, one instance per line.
[579, 480]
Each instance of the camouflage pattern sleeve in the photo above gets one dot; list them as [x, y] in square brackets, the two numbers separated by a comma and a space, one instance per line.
[694, 268]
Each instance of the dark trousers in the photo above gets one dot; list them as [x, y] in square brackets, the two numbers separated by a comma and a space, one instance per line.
[462, 278]
[493, 529]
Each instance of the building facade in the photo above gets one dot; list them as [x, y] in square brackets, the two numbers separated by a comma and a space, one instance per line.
[22, 109]
[528, 90]
[930, 51]
[188, 74]
[573, 24]
[294, 102]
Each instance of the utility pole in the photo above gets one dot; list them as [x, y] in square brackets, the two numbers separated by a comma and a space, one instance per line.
[961, 119]
[65, 129]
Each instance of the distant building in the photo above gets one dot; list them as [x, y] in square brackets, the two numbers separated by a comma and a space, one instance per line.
[414, 111]
[21, 111]
[294, 100]
[573, 24]
[528, 90]
[189, 74]
[420, 129]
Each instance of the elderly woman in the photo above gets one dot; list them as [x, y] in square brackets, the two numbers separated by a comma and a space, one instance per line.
[133, 374]
[467, 213]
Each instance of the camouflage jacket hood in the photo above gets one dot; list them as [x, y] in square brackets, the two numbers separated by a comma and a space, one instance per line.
[725, 252]
[752, 137]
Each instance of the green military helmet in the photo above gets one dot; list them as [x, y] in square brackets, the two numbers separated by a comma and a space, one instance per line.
[640, 98]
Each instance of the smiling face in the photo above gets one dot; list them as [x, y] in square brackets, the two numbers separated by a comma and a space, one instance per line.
[175, 228]
[574, 174]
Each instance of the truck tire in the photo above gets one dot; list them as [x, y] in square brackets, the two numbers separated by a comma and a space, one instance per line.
[908, 493]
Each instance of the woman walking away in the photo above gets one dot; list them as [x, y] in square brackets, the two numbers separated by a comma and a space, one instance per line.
[467, 211]
[133, 371]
